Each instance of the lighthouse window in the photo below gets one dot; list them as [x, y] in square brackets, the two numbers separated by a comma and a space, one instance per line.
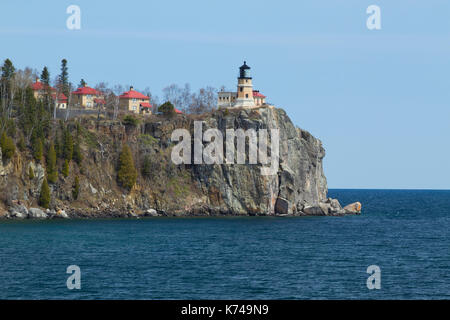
[246, 95]
[241, 89]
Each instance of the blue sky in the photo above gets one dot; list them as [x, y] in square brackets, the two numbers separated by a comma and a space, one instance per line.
[379, 100]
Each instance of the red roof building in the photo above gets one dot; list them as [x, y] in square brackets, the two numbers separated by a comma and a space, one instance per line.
[87, 97]
[40, 90]
[39, 86]
[134, 101]
[259, 98]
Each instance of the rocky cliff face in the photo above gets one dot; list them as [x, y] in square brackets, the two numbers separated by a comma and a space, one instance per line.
[297, 187]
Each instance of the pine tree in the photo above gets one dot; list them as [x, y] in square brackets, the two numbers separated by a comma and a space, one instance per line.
[68, 145]
[58, 147]
[37, 149]
[7, 146]
[65, 170]
[44, 196]
[30, 173]
[45, 76]
[77, 156]
[146, 167]
[76, 188]
[64, 78]
[8, 71]
[167, 108]
[82, 83]
[45, 79]
[52, 171]
[6, 83]
[21, 144]
[127, 173]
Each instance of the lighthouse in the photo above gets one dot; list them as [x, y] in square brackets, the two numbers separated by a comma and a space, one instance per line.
[244, 88]
[245, 96]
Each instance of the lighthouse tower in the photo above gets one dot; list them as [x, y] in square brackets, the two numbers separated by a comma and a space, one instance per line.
[244, 88]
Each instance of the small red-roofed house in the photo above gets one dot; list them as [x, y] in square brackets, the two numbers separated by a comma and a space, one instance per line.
[259, 98]
[85, 97]
[61, 102]
[146, 108]
[135, 102]
[99, 102]
[41, 89]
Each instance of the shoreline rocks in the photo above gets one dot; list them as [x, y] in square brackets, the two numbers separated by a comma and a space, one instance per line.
[331, 207]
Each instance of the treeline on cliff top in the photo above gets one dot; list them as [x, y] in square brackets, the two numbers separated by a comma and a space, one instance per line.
[30, 124]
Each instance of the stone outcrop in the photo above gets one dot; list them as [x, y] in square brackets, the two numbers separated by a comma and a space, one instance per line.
[353, 208]
[298, 186]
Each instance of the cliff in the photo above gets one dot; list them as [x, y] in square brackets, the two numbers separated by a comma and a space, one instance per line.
[298, 186]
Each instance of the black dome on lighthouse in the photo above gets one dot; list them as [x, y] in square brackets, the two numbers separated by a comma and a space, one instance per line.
[244, 71]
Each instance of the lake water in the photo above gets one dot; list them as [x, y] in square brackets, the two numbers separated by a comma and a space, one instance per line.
[405, 233]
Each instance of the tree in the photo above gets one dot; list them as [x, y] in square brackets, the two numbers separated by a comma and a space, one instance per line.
[77, 155]
[167, 108]
[76, 188]
[7, 146]
[174, 94]
[52, 171]
[65, 170]
[7, 89]
[82, 83]
[146, 167]
[127, 173]
[131, 121]
[68, 145]
[44, 196]
[21, 144]
[45, 76]
[58, 147]
[30, 173]
[45, 79]
[37, 149]
[64, 78]
[204, 101]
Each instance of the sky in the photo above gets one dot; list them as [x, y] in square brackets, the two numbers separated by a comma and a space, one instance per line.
[378, 99]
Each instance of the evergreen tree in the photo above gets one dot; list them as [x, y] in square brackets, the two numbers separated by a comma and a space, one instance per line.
[52, 171]
[77, 155]
[44, 196]
[37, 149]
[127, 173]
[21, 144]
[167, 108]
[45, 79]
[30, 173]
[76, 188]
[65, 170]
[64, 78]
[7, 146]
[146, 167]
[82, 83]
[8, 72]
[45, 76]
[58, 147]
[68, 145]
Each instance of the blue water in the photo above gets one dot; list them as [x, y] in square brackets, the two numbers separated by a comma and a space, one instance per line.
[405, 233]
